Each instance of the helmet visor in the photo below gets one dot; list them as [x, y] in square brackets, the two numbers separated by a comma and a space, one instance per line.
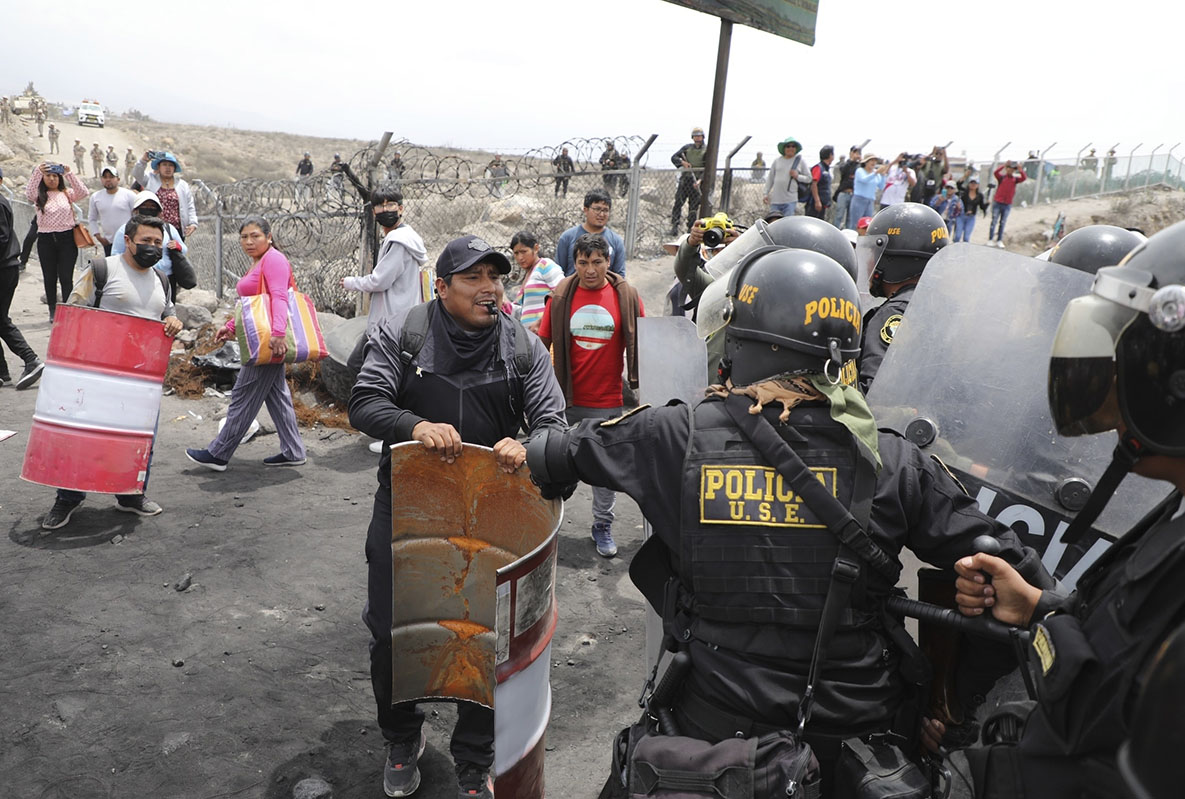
[726, 259]
[715, 307]
[869, 249]
[1082, 366]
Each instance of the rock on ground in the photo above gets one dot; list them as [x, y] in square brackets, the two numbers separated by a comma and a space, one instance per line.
[199, 297]
[193, 316]
[312, 788]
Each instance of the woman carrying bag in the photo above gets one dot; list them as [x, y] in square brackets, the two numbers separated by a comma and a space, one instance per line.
[56, 247]
[259, 383]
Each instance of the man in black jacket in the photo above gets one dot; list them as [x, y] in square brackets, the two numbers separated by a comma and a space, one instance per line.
[461, 386]
[10, 250]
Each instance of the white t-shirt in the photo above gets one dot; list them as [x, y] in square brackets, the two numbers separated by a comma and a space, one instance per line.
[128, 289]
[109, 211]
[896, 185]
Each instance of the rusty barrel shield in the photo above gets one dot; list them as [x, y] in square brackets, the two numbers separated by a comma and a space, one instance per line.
[98, 402]
[473, 554]
[966, 380]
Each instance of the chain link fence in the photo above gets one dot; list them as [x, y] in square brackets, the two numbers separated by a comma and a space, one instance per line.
[325, 227]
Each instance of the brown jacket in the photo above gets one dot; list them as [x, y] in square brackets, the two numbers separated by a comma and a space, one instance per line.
[628, 307]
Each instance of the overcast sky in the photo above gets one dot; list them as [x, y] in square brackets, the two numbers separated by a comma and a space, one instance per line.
[516, 74]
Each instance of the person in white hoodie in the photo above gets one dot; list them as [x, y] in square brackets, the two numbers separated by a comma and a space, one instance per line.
[396, 284]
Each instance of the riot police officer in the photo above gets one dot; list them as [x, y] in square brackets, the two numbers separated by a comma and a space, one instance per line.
[1118, 363]
[731, 487]
[899, 242]
[1090, 248]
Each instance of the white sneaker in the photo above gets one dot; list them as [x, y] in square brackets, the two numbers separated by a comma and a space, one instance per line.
[376, 447]
[251, 431]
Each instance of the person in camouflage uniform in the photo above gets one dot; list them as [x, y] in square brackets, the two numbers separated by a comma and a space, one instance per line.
[54, 135]
[97, 158]
[79, 157]
[690, 160]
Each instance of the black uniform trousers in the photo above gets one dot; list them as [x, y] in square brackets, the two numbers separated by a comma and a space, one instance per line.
[687, 192]
[30, 240]
[473, 736]
[561, 182]
[10, 276]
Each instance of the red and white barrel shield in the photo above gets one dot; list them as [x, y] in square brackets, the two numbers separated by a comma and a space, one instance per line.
[98, 402]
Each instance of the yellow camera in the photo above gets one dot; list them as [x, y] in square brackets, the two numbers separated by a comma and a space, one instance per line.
[715, 228]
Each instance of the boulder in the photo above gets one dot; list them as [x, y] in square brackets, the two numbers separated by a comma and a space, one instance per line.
[199, 297]
[329, 321]
[513, 210]
[6, 153]
[193, 316]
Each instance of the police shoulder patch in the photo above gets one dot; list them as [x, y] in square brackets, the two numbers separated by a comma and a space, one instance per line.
[1043, 646]
[626, 415]
[889, 329]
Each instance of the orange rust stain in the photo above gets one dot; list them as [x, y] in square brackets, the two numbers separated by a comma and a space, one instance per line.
[463, 628]
[468, 547]
[464, 667]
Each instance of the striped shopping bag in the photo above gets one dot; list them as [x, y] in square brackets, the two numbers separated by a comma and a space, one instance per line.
[254, 327]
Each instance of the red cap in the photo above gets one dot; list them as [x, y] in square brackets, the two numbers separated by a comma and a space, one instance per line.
[863, 223]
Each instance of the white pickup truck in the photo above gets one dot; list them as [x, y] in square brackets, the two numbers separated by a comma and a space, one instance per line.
[90, 113]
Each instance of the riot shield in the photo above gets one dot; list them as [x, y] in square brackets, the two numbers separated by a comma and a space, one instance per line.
[672, 364]
[966, 380]
[473, 554]
[98, 402]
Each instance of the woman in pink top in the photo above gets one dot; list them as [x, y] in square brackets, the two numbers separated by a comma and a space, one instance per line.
[263, 383]
[47, 190]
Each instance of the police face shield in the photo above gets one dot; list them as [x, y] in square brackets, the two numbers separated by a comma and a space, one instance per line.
[869, 249]
[1082, 366]
[726, 260]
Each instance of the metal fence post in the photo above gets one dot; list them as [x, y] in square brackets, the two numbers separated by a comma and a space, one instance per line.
[631, 211]
[1130, 157]
[1152, 163]
[1168, 161]
[1077, 169]
[726, 181]
[218, 248]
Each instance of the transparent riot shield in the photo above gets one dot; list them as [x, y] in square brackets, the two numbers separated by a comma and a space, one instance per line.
[473, 555]
[672, 364]
[966, 380]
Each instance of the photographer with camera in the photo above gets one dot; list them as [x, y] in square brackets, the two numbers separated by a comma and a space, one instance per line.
[47, 191]
[1007, 177]
[899, 181]
[935, 171]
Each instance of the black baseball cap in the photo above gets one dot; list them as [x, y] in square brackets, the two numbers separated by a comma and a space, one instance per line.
[460, 254]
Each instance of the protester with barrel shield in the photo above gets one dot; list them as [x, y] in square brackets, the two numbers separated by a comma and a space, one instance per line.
[1117, 363]
[127, 284]
[777, 534]
[458, 370]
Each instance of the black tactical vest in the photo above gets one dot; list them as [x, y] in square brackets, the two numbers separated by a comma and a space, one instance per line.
[754, 558]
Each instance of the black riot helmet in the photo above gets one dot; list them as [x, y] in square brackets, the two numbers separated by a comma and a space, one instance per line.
[1150, 759]
[789, 311]
[1094, 246]
[899, 242]
[1119, 352]
[811, 233]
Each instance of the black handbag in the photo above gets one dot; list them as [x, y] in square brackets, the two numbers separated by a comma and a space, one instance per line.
[183, 271]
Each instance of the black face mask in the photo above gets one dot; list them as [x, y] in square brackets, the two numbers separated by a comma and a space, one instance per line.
[387, 218]
[146, 255]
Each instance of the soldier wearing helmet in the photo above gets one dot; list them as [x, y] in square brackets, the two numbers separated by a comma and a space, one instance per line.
[749, 492]
[1117, 363]
[893, 253]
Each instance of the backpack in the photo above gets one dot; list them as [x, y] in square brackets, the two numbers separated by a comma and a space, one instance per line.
[415, 332]
[99, 270]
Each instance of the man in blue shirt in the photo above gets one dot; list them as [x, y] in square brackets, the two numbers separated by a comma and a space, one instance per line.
[596, 220]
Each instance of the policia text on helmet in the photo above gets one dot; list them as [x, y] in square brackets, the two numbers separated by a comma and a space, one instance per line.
[899, 242]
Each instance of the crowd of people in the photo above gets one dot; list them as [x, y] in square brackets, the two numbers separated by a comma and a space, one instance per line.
[778, 530]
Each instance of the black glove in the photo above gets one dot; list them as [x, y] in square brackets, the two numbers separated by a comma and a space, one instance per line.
[553, 490]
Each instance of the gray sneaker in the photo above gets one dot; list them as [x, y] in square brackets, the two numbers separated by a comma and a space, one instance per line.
[138, 504]
[602, 536]
[30, 375]
[401, 775]
[59, 514]
[475, 782]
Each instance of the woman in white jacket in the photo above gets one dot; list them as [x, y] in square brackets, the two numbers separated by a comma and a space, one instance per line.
[176, 199]
[395, 284]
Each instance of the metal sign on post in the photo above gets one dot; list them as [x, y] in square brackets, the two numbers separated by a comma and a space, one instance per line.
[790, 19]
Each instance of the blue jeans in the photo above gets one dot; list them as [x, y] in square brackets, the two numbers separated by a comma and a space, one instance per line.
[785, 209]
[842, 203]
[860, 208]
[999, 211]
[963, 227]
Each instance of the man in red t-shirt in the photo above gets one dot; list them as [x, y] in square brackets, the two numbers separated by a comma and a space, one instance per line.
[592, 318]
